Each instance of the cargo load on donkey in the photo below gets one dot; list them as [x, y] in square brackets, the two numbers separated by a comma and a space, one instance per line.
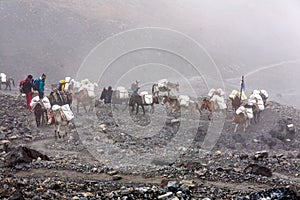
[184, 100]
[122, 93]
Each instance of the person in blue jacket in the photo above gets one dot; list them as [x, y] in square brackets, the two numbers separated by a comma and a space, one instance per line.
[42, 86]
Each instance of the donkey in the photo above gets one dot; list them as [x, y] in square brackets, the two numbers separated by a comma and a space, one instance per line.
[256, 112]
[235, 102]
[58, 118]
[83, 98]
[239, 119]
[7, 83]
[208, 105]
[40, 114]
[139, 101]
[167, 88]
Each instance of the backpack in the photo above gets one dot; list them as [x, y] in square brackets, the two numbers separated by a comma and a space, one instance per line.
[21, 86]
[26, 86]
[36, 84]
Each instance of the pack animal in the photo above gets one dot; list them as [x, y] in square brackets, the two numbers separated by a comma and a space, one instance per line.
[235, 102]
[7, 83]
[60, 98]
[240, 119]
[40, 113]
[136, 99]
[208, 105]
[256, 112]
[173, 102]
[156, 89]
[84, 99]
[117, 100]
[264, 98]
[190, 105]
[58, 118]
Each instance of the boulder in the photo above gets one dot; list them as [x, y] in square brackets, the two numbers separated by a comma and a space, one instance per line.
[22, 154]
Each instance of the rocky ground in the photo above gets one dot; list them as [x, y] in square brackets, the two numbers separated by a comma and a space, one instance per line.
[119, 155]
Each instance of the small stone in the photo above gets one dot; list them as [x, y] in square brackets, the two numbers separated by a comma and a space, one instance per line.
[13, 137]
[261, 154]
[187, 183]
[55, 186]
[116, 177]
[111, 173]
[168, 194]
[95, 169]
[172, 185]
[39, 189]
[217, 153]
[36, 198]
[179, 193]
[88, 194]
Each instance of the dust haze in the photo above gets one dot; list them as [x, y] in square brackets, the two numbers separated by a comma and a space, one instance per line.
[258, 39]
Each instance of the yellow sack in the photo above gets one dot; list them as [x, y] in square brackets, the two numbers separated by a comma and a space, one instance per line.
[62, 83]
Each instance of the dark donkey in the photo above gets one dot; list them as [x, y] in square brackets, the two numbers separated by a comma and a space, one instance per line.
[40, 114]
[139, 101]
[236, 102]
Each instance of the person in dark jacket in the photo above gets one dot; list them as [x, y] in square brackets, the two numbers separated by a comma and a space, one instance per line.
[108, 95]
[27, 89]
[103, 94]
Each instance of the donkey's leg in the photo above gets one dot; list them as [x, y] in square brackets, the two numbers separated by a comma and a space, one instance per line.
[209, 115]
[55, 131]
[152, 109]
[91, 108]
[143, 109]
[38, 119]
[58, 128]
[66, 130]
[254, 117]
[245, 125]
[43, 122]
[77, 107]
[84, 107]
[126, 105]
[235, 128]
[258, 116]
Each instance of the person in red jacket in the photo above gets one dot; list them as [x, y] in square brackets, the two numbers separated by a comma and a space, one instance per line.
[27, 89]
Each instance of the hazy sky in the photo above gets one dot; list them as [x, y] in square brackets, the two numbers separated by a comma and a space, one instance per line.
[258, 39]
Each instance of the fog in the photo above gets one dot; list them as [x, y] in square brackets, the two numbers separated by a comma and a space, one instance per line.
[203, 43]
